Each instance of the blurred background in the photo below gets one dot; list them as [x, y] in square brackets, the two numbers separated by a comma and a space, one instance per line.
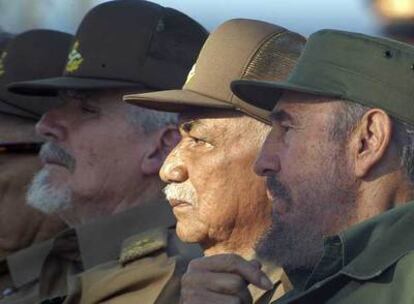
[378, 17]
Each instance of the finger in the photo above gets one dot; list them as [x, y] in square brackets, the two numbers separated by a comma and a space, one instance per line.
[232, 263]
[256, 263]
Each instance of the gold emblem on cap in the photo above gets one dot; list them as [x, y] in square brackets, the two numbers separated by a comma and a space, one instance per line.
[75, 59]
[2, 68]
[190, 75]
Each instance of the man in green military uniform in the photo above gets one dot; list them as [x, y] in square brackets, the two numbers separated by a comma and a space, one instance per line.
[338, 164]
[102, 156]
[36, 53]
[219, 145]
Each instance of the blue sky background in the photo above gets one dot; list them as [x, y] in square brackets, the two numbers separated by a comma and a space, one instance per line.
[303, 16]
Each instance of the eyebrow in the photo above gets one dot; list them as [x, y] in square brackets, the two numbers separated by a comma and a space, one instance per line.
[189, 125]
[280, 115]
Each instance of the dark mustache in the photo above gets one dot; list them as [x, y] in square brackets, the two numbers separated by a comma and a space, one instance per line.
[278, 189]
[53, 153]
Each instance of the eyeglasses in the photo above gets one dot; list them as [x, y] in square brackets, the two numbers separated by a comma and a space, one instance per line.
[20, 147]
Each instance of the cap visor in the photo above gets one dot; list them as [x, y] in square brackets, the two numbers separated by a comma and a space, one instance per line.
[265, 94]
[50, 86]
[175, 101]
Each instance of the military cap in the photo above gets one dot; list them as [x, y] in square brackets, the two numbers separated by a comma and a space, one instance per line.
[374, 72]
[127, 44]
[31, 55]
[239, 48]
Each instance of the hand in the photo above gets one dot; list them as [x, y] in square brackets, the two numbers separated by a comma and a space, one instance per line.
[223, 279]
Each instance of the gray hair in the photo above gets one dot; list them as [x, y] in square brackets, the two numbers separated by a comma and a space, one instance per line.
[150, 120]
[402, 137]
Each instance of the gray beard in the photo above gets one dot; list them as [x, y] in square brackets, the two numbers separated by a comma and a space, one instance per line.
[321, 207]
[42, 195]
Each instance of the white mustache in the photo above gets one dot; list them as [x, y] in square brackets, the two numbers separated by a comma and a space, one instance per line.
[54, 153]
[184, 192]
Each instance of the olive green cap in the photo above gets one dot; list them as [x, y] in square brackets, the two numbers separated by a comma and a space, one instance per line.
[239, 48]
[374, 72]
[127, 44]
[33, 54]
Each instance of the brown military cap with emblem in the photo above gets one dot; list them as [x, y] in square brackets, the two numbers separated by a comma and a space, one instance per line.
[127, 44]
[35, 54]
[239, 48]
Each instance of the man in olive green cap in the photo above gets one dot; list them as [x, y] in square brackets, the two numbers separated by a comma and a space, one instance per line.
[102, 156]
[36, 53]
[217, 199]
[339, 169]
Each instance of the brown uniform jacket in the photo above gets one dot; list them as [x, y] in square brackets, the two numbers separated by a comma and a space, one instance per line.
[46, 271]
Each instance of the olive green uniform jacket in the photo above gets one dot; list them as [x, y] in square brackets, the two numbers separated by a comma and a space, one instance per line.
[372, 262]
[47, 272]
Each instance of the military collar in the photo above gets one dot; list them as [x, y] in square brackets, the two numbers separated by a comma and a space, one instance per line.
[101, 241]
[374, 245]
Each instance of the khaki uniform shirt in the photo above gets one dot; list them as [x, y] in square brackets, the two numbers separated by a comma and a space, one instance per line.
[40, 273]
[372, 262]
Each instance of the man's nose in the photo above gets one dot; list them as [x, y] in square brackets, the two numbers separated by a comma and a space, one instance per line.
[267, 162]
[51, 126]
[173, 170]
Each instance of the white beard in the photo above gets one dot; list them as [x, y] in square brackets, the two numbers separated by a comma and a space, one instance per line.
[42, 195]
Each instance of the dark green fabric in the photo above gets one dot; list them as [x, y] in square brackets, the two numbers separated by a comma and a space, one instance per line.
[372, 262]
[375, 72]
[34, 54]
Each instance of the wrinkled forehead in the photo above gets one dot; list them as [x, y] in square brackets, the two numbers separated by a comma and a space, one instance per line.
[297, 102]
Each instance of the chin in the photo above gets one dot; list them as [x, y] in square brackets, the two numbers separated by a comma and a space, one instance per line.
[188, 235]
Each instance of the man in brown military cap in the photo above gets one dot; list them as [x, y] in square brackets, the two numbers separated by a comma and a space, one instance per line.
[33, 54]
[102, 156]
[339, 169]
[216, 197]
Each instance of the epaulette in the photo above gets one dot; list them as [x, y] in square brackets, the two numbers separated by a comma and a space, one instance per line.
[143, 244]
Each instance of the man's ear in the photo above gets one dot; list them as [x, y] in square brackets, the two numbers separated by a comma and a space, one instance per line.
[163, 141]
[372, 139]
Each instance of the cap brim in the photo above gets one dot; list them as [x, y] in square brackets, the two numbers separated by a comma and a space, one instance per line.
[176, 101]
[265, 94]
[51, 86]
